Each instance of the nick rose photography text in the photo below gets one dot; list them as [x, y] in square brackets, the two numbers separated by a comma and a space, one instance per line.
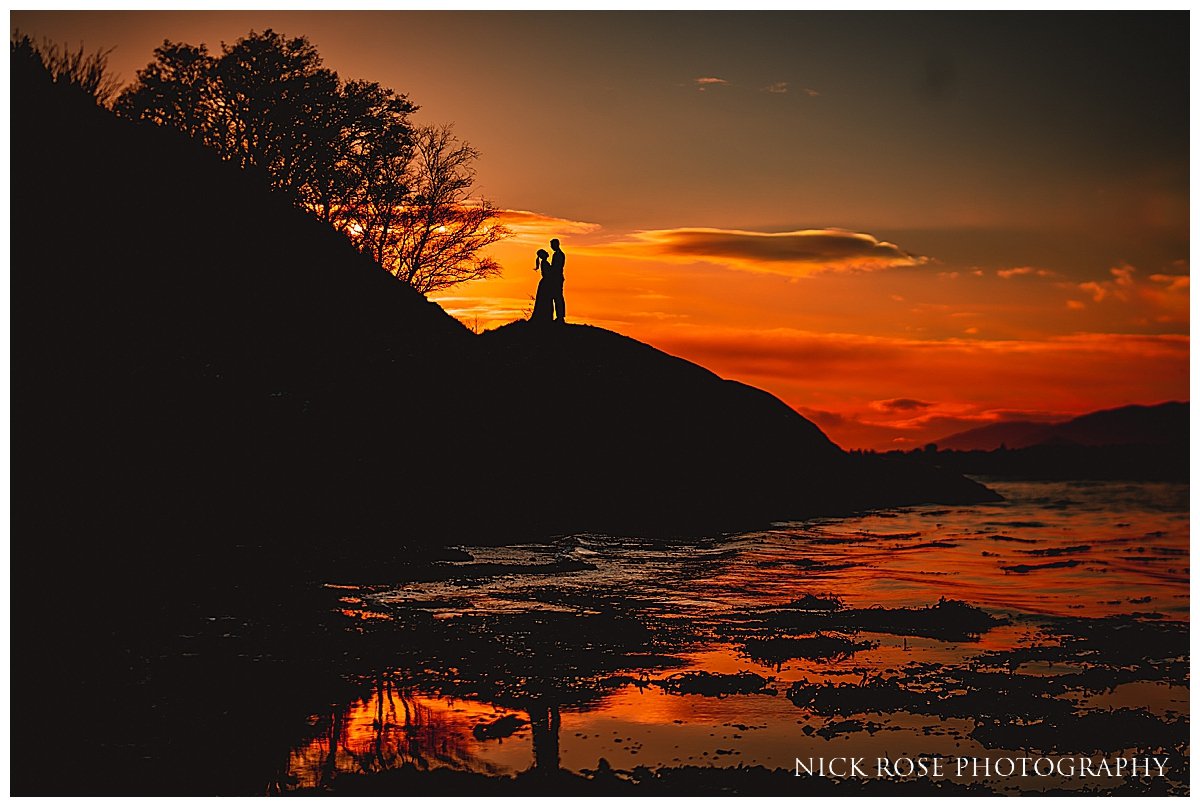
[976, 767]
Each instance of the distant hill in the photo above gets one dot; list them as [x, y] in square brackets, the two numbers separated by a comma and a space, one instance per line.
[1127, 425]
[1013, 434]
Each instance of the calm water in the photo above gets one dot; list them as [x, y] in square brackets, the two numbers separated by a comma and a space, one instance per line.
[577, 652]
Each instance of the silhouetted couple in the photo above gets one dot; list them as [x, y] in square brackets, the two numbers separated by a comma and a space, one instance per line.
[549, 305]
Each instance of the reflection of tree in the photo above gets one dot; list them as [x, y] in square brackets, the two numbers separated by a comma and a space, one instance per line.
[336, 727]
[390, 728]
[536, 662]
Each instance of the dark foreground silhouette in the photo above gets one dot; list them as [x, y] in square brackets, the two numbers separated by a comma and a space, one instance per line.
[222, 404]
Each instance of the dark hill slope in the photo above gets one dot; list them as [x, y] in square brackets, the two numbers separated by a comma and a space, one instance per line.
[614, 434]
[197, 360]
[216, 399]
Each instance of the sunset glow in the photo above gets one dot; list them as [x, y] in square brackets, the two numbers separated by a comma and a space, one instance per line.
[898, 254]
[667, 404]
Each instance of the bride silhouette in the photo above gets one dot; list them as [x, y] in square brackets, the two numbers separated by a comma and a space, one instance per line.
[543, 305]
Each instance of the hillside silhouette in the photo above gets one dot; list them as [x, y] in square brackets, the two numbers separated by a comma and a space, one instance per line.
[208, 357]
[626, 437]
[213, 383]
[222, 403]
[1162, 424]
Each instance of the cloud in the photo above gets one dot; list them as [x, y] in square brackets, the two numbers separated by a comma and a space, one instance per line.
[1163, 297]
[704, 82]
[1172, 282]
[1117, 288]
[822, 417]
[901, 405]
[810, 93]
[1123, 275]
[1024, 271]
[528, 226]
[797, 253]
[777, 87]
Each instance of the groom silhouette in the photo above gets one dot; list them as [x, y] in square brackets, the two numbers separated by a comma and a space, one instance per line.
[556, 279]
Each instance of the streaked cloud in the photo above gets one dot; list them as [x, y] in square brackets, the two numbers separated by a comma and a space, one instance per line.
[901, 405]
[778, 87]
[797, 253]
[705, 82]
[1024, 271]
[528, 226]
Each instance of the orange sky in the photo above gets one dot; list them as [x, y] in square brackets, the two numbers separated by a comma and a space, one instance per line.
[884, 358]
[903, 225]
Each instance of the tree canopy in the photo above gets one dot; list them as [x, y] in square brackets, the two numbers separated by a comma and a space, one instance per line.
[344, 150]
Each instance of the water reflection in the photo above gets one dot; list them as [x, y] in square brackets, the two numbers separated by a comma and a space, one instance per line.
[395, 726]
[545, 674]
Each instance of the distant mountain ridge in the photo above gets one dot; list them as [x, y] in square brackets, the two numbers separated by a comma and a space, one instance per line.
[1160, 424]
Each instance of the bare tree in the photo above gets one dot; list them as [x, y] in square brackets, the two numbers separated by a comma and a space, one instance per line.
[442, 229]
[376, 152]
